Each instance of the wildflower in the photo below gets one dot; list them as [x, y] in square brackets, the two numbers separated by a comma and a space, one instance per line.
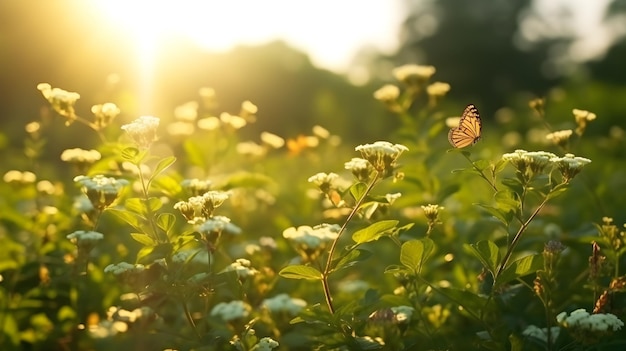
[272, 140]
[538, 160]
[360, 168]
[124, 268]
[324, 181]
[391, 198]
[582, 117]
[321, 132]
[382, 155]
[242, 267]
[302, 142]
[533, 331]
[80, 157]
[232, 310]
[143, 130]
[284, 303]
[201, 207]
[388, 94]
[235, 122]
[611, 234]
[353, 286]
[560, 137]
[187, 112]
[32, 128]
[551, 252]
[104, 113]
[413, 74]
[250, 148]
[403, 313]
[85, 240]
[310, 242]
[196, 186]
[248, 111]
[101, 190]
[265, 344]
[589, 328]
[432, 212]
[17, 177]
[209, 123]
[436, 91]
[596, 261]
[538, 105]
[569, 165]
[211, 230]
[62, 101]
[46, 187]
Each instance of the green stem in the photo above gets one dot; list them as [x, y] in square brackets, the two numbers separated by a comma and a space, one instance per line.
[517, 237]
[146, 199]
[480, 172]
[333, 246]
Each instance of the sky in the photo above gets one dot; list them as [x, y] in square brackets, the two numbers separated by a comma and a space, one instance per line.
[330, 31]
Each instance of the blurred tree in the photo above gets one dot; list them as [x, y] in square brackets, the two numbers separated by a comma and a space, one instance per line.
[476, 47]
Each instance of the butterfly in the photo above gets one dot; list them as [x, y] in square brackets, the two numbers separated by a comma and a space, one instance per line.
[469, 129]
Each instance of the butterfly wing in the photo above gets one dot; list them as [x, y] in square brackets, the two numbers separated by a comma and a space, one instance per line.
[469, 130]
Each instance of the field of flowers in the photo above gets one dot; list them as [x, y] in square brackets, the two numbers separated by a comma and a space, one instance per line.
[184, 236]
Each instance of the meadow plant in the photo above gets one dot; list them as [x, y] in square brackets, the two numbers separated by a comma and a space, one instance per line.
[172, 237]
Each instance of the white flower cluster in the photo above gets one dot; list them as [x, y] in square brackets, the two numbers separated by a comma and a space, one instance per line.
[582, 320]
[307, 237]
[199, 208]
[142, 130]
[541, 333]
[437, 89]
[196, 186]
[105, 113]
[265, 344]
[229, 311]
[218, 224]
[403, 314]
[323, 179]
[124, 267]
[243, 268]
[381, 154]
[284, 303]
[100, 183]
[78, 155]
[411, 72]
[14, 176]
[388, 93]
[272, 140]
[83, 238]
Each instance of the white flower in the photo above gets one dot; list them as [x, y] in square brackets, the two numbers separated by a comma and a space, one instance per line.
[234, 121]
[265, 344]
[85, 238]
[78, 155]
[272, 140]
[229, 311]
[209, 123]
[124, 267]
[387, 94]
[242, 267]
[321, 179]
[187, 112]
[403, 313]
[438, 89]
[284, 303]
[409, 73]
[312, 238]
[142, 130]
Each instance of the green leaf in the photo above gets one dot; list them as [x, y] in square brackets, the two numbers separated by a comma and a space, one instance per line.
[556, 192]
[149, 254]
[143, 239]
[374, 231]
[162, 166]
[519, 268]
[166, 222]
[135, 205]
[507, 201]
[514, 184]
[130, 153]
[447, 191]
[138, 205]
[488, 253]
[353, 257]
[358, 190]
[504, 217]
[133, 219]
[475, 305]
[414, 253]
[300, 272]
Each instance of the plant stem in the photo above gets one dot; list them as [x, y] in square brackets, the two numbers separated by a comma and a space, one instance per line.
[517, 237]
[333, 246]
[481, 173]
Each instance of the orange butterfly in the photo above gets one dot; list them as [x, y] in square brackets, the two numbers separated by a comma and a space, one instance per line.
[469, 129]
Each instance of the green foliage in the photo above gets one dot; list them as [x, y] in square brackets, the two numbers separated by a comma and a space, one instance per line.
[402, 248]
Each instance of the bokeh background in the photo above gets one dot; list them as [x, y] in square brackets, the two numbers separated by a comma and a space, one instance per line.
[315, 62]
